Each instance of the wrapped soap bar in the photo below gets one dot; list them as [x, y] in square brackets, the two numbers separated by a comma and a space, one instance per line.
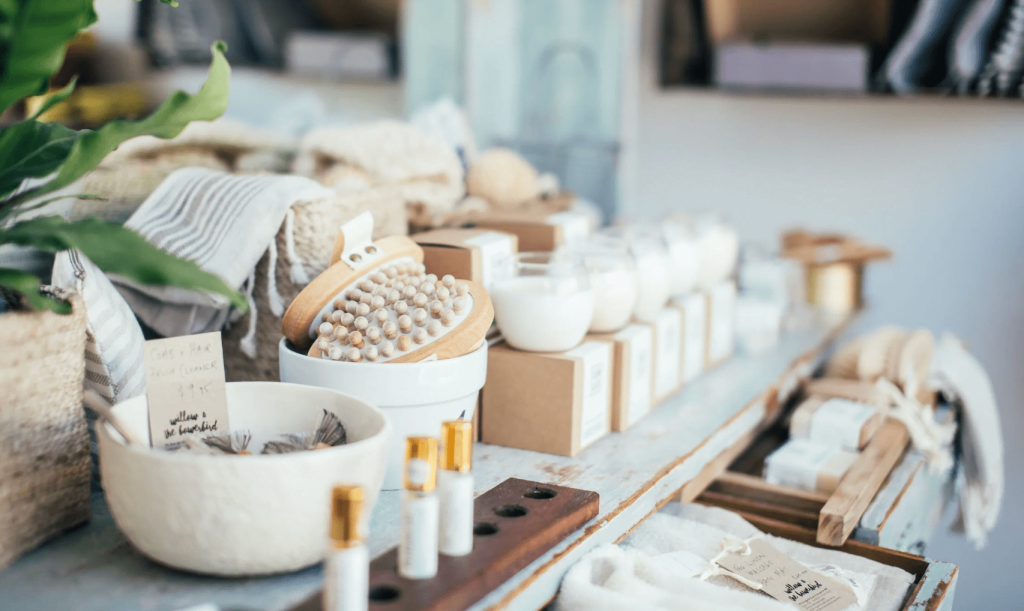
[807, 465]
[835, 422]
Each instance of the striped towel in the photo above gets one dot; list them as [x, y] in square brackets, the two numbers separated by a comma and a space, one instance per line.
[113, 350]
[224, 223]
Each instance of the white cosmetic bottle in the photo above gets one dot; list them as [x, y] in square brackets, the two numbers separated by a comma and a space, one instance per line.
[347, 565]
[417, 547]
[455, 488]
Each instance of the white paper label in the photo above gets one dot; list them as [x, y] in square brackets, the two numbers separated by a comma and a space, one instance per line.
[595, 416]
[455, 491]
[417, 545]
[668, 329]
[839, 422]
[640, 340]
[785, 579]
[575, 226]
[695, 320]
[797, 464]
[723, 323]
[185, 388]
[495, 250]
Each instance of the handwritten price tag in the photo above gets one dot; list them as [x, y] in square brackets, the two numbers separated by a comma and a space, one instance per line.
[185, 387]
[787, 580]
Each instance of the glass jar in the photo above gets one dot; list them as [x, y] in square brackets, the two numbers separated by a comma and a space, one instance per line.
[613, 277]
[543, 301]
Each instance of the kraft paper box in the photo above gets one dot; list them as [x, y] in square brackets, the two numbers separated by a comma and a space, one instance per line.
[667, 330]
[695, 327]
[467, 254]
[632, 373]
[557, 403]
[721, 331]
[540, 228]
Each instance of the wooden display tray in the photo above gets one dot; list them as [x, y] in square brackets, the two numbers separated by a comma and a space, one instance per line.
[834, 516]
[517, 521]
[934, 581]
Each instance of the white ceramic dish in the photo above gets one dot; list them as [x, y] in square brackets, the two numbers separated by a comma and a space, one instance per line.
[242, 515]
[417, 397]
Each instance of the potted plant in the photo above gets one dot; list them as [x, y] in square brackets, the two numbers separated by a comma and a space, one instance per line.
[44, 449]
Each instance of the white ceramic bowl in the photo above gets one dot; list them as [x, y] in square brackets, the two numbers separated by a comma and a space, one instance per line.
[417, 397]
[242, 515]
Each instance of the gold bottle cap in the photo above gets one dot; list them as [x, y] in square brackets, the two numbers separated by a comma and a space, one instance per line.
[346, 507]
[457, 437]
[420, 463]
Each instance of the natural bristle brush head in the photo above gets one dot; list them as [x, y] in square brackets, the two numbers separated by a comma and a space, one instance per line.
[412, 322]
[380, 291]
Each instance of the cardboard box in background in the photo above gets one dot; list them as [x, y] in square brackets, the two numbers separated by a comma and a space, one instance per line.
[793, 66]
[467, 254]
[695, 328]
[721, 330]
[864, 21]
[557, 403]
[668, 345]
[632, 373]
[540, 227]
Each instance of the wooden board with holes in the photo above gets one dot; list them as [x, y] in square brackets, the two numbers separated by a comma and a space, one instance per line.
[516, 522]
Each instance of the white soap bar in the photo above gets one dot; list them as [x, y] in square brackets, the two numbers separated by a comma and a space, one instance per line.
[835, 422]
[804, 464]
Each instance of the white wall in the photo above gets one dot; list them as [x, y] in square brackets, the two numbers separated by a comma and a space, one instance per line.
[941, 182]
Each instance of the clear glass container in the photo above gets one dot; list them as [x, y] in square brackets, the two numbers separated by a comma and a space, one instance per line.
[683, 249]
[613, 277]
[718, 247]
[653, 266]
[543, 301]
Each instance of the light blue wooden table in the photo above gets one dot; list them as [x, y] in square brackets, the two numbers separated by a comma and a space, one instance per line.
[636, 472]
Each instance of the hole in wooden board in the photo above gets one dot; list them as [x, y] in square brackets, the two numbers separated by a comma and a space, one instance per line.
[538, 493]
[510, 511]
[485, 529]
[384, 594]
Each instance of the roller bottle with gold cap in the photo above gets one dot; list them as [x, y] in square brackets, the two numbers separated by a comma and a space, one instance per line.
[455, 487]
[347, 565]
[417, 547]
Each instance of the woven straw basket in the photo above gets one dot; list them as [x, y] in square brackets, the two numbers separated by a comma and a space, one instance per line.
[316, 229]
[44, 443]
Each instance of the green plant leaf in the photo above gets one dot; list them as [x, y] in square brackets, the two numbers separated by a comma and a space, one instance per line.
[28, 285]
[177, 111]
[55, 98]
[39, 32]
[31, 149]
[118, 250]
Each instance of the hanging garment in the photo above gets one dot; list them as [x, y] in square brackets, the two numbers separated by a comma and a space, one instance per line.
[980, 480]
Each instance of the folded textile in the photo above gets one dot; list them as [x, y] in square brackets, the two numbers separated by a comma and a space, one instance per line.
[980, 481]
[427, 171]
[224, 223]
[658, 567]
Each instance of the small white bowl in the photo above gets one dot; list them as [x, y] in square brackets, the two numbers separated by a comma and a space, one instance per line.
[417, 397]
[242, 515]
